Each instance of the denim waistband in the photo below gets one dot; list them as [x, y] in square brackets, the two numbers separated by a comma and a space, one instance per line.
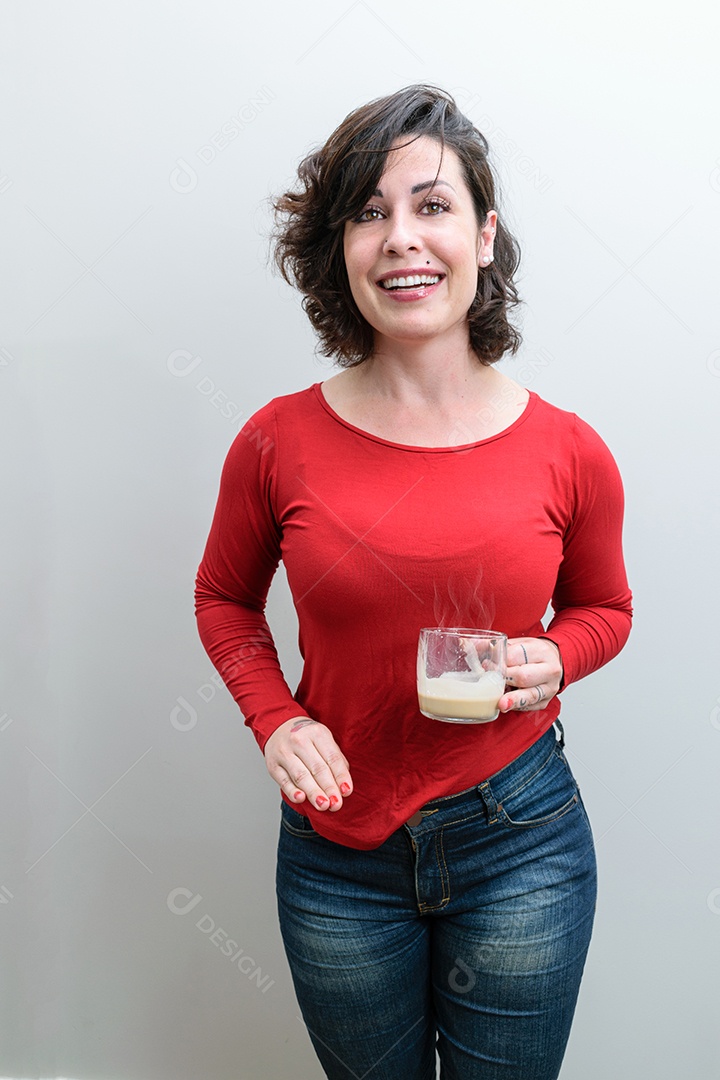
[503, 783]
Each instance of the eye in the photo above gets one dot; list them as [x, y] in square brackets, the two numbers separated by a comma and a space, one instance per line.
[370, 213]
[433, 207]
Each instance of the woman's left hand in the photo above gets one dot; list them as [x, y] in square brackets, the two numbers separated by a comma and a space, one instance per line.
[534, 674]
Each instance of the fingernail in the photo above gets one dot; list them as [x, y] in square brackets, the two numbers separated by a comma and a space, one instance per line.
[298, 795]
[321, 800]
[334, 800]
[345, 789]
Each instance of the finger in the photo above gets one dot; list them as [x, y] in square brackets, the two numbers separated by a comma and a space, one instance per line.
[519, 653]
[527, 700]
[288, 785]
[284, 780]
[287, 780]
[321, 771]
[338, 765]
[298, 783]
[520, 676]
[331, 769]
[306, 762]
[519, 671]
[528, 675]
[331, 779]
[533, 651]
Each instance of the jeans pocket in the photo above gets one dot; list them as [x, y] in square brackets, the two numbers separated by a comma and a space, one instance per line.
[294, 822]
[543, 797]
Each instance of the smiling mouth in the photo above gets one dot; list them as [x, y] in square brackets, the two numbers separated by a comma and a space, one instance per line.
[414, 281]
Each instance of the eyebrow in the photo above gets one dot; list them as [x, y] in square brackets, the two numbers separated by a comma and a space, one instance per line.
[421, 187]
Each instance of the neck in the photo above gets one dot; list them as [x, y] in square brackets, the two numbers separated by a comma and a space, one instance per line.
[431, 371]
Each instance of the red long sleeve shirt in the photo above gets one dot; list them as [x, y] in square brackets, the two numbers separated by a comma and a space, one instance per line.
[381, 539]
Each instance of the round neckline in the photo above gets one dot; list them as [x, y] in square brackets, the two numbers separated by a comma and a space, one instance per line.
[517, 422]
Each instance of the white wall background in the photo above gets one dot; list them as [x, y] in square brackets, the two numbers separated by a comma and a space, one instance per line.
[133, 232]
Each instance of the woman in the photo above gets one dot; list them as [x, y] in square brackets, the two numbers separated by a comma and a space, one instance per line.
[435, 881]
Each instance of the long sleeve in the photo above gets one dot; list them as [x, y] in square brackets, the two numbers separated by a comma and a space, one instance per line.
[591, 599]
[240, 558]
[379, 539]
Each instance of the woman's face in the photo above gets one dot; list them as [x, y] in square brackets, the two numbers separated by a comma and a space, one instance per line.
[416, 227]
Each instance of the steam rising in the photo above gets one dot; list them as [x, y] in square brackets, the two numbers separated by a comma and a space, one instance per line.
[460, 603]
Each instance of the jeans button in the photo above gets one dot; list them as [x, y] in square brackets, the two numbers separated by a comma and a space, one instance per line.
[415, 819]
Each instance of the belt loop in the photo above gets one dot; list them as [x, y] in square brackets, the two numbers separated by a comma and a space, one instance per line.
[559, 726]
[489, 799]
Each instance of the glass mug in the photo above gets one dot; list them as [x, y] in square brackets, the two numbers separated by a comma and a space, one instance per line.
[461, 674]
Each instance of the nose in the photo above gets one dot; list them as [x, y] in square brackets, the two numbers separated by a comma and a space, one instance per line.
[402, 234]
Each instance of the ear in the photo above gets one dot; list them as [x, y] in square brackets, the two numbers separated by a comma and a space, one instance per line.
[486, 237]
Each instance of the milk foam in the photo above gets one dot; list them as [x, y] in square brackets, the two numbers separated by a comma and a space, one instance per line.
[459, 696]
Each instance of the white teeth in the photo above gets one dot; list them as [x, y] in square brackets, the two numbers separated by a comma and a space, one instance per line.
[417, 279]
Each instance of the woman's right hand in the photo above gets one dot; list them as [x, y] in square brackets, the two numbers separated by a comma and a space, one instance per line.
[304, 759]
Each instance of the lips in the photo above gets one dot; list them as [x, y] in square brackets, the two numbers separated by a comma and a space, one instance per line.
[408, 281]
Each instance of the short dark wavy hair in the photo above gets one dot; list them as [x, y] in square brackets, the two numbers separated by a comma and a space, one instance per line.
[335, 183]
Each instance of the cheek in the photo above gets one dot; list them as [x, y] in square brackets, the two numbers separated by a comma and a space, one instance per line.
[355, 282]
[357, 269]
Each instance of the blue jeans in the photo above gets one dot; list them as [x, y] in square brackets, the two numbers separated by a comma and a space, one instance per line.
[470, 928]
